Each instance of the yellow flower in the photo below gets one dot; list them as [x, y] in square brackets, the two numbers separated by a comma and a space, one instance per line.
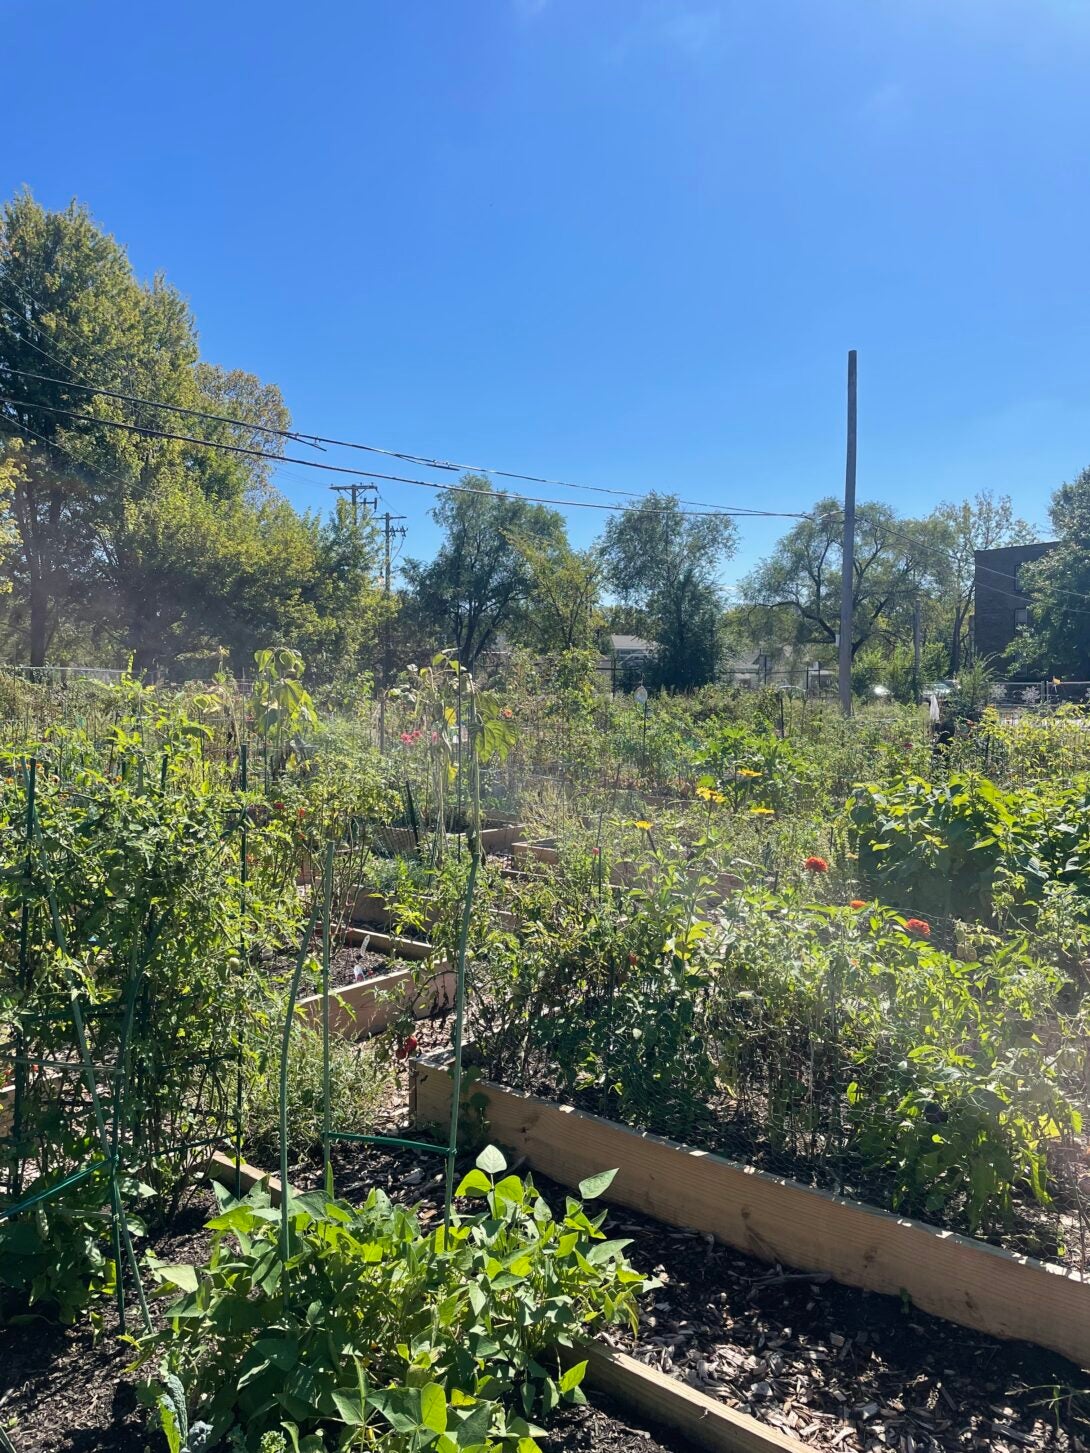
[705, 793]
[643, 824]
[718, 797]
[748, 772]
[762, 812]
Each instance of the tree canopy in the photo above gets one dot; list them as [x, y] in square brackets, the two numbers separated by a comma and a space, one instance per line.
[665, 564]
[1057, 639]
[157, 548]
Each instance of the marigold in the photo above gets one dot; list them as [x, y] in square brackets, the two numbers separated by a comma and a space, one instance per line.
[816, 865]
[918, 926]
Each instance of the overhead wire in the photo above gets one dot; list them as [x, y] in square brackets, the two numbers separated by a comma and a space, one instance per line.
[318, 440]
[242, 449]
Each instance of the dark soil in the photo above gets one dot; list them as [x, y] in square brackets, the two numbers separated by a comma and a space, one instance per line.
[60, 1392]
[349, 965]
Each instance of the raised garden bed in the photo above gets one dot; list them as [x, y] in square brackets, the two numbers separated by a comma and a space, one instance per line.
[781, 1221]
[367, 1007]
[662, 1400]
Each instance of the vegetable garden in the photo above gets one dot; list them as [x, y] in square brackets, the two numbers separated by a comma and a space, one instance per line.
[719, 1060]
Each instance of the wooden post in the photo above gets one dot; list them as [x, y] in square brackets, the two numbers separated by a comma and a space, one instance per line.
[847, 568]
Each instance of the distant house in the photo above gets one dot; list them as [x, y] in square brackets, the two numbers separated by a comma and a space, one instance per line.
[1001, 605]
[628, 659]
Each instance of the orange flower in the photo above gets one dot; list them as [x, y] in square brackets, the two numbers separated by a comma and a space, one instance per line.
[816, 865]
[918, 926]
[858, 903]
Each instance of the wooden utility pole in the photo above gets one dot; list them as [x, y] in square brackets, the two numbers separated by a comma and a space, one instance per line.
[916, 652]
[847, 568]
[354, 490]
[387, 532]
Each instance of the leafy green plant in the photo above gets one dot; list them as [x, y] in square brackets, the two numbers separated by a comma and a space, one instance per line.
[374, 1334]
[357, 1080]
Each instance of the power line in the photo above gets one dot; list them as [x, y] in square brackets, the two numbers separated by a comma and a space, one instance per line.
[251, 453]
[156, 404]
[318, 440]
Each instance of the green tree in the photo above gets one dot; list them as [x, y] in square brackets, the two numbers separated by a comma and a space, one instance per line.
[983, 523]
[157, 548]
[664, 565]
[1057, 640]
[895, 561]
[479, 585]
[562, 613]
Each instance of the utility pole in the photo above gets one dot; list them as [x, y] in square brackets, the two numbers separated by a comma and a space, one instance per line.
[387, 532]
[355, 490]
[847, 568]
[916, 648]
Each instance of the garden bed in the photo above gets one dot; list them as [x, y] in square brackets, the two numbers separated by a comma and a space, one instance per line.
[816, 1364]
[783, 1222]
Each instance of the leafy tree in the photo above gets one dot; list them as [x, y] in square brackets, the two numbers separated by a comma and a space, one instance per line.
[162, 549]
[478, 585]
[983, 523]
[895, 560]
[563, 605]
[665, 564]
[1057, 640]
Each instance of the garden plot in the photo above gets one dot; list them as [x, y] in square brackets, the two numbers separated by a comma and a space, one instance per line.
[814, 1362]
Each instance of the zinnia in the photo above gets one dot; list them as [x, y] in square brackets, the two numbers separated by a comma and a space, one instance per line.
[816, 865]
[918, 926]
[858, 903]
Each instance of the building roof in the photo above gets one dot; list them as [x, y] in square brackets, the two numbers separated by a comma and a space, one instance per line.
[635, 645]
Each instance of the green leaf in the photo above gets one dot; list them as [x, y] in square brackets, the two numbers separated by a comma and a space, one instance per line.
[491, 1161]
[573, 1377]
[351, 1407]
[595, 1185]
[179, 1275]
[475, 1181]
[433, 1408]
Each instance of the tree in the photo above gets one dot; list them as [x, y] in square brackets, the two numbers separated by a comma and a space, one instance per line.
[665, 564]
[563, 602]
[478, 585]
[1057, 640]
[983, 523]
[895, 561]
[161, 548]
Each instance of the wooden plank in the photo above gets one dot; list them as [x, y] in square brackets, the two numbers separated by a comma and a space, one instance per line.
[782, 1222]
[388, 943]
[538, 851]
[367, 1008]
[221, 1168]
[667, 1402]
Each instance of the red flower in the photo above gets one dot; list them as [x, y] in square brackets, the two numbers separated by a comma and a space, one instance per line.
[407, 738]
[278, 807]
[407, 1046]
[858, 903]
[632, 959]
[816, 865]
[302, 812]
[918, 926]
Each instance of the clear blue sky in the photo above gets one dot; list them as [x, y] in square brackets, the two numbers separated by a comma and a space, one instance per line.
[622, 241]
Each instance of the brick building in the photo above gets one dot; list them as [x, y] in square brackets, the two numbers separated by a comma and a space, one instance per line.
[1000, 605]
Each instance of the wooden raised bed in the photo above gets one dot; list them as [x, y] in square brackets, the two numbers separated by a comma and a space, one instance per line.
[662, 1400]
[360, 1010]
[544, 850]
[780, 1221]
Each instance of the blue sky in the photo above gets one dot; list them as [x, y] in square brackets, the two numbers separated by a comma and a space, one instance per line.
[627, 242]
